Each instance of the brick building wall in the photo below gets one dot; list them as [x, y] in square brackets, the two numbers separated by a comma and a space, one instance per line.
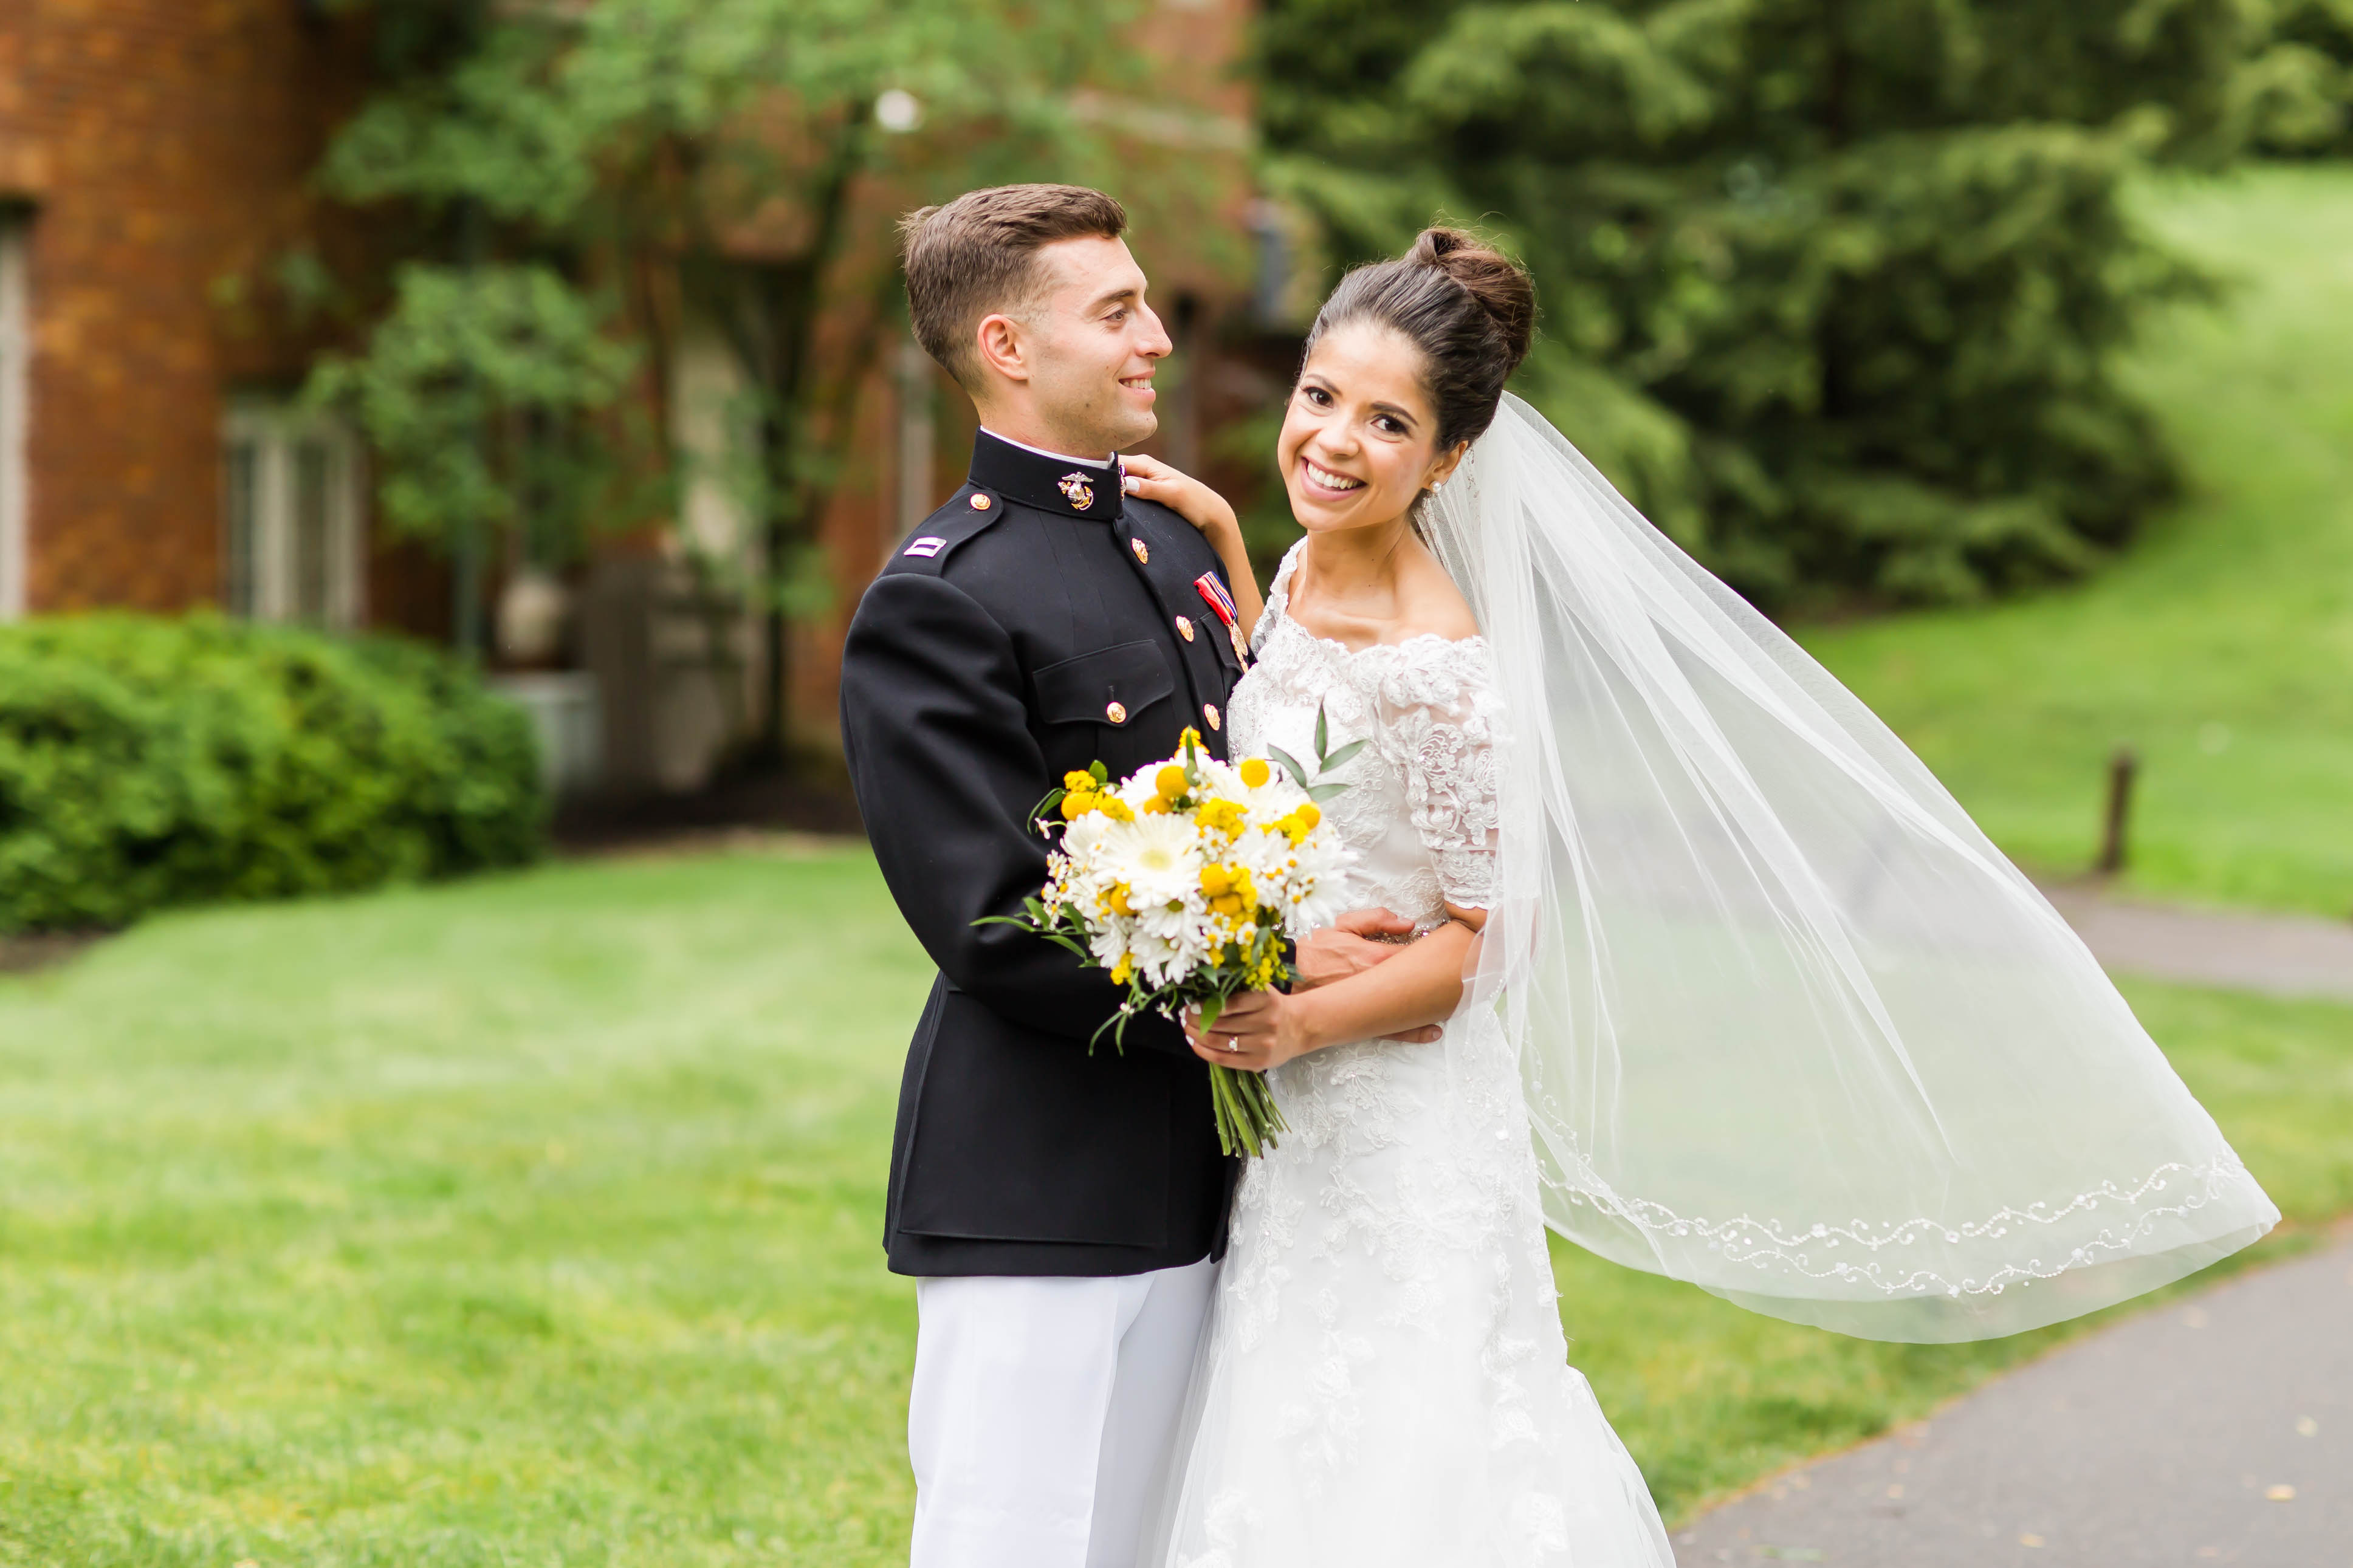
[156, 152]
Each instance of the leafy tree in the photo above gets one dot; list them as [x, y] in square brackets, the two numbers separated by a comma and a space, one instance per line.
[635, 163]
[1833, 287]
[473, 389]
[2300, 91]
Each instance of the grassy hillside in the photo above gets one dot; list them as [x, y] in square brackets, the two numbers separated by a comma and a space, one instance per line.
[2221, 646]
[537, 1221]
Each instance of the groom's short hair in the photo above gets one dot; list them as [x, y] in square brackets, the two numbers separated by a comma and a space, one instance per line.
[977, 254]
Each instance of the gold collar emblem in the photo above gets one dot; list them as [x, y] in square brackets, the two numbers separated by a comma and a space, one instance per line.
[1077, 490]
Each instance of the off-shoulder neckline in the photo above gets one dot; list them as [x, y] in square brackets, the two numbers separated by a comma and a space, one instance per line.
[1278, 605]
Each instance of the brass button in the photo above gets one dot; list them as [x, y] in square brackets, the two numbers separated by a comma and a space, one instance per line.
[1185, 628]
[1210, 712]
[1142, 556]
[1117, 713]
[980, 503]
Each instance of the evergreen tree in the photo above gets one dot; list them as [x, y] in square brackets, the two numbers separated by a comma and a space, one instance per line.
[1833, 288]
[2301, 89]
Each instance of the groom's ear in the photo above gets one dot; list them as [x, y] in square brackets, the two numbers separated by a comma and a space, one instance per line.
[1003, 345]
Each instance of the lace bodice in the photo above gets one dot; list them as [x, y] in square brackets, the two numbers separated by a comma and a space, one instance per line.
[1419, 809]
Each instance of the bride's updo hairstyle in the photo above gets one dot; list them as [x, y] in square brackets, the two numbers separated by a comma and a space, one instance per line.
[1470, 309]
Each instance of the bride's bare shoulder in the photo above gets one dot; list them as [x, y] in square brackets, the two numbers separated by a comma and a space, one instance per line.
[1432, 605]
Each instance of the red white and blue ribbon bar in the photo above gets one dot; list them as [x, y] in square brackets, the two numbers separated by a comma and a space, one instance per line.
[1219, 600]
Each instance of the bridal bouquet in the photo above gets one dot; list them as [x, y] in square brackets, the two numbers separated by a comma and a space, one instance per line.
[1190, 881]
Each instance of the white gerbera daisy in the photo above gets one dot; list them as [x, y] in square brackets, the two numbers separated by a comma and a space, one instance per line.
[1158, 856]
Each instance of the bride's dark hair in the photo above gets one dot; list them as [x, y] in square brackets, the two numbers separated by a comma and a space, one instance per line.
[1470, 309]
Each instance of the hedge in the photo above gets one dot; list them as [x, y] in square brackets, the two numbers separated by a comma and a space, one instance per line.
[146, 762]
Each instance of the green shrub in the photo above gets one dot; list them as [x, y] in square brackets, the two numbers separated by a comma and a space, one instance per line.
[146, 762]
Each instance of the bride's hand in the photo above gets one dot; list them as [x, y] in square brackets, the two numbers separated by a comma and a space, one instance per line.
[1256, 1030]
[1149, 478]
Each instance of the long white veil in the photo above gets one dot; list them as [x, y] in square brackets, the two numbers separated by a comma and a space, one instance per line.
[1791, 1028]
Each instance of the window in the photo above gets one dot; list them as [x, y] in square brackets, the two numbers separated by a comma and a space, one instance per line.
[16, 385]
[293, 549]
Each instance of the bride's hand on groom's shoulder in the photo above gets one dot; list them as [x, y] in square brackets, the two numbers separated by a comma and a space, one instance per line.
[1149, 478]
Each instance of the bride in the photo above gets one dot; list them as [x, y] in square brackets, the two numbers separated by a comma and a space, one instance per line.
[1730, 989]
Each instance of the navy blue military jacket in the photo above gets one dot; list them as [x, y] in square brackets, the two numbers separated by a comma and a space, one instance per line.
[1038, 623]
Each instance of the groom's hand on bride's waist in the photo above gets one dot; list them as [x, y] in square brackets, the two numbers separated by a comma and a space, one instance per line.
[1352, 944]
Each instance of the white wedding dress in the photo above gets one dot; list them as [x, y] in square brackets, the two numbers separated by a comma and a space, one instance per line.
[1386, 1380]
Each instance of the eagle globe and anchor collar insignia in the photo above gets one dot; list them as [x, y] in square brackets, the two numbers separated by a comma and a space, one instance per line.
[1063, 487]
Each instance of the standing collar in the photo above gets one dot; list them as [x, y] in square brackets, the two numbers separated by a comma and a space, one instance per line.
[1056, 457]
[1070, 486]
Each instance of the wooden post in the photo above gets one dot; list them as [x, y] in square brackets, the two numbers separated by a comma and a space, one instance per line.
[2116, 836]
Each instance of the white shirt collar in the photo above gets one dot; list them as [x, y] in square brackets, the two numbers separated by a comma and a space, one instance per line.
[1057, 457]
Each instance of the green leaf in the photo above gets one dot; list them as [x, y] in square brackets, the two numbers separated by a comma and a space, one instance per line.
[1323, 735]
[1340, 757]
[1299, 775]
[1096, 770]
[1325, 792]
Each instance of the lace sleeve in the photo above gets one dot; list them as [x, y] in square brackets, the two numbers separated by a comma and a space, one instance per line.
[1438, 717]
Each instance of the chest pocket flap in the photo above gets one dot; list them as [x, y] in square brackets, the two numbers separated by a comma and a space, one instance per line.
[1111, 686]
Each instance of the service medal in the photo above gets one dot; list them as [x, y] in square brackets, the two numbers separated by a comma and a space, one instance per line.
[1213, 594]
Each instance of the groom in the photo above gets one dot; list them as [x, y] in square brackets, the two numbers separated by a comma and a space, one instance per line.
[1059, 1205]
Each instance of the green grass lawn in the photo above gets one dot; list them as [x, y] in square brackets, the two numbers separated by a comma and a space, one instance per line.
[2221, 645]
[536, 1221]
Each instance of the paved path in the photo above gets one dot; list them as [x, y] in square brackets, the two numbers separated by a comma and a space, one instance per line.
[2279, 955]
[2215, 1430]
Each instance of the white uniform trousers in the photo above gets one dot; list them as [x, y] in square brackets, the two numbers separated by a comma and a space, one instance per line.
[1043, 1413]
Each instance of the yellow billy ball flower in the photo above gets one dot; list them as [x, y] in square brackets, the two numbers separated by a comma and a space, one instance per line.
[1078, 803]
[1221, 816]
[1170, 782]
[1215, 880]
[1255, 773]
[1307, 813]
